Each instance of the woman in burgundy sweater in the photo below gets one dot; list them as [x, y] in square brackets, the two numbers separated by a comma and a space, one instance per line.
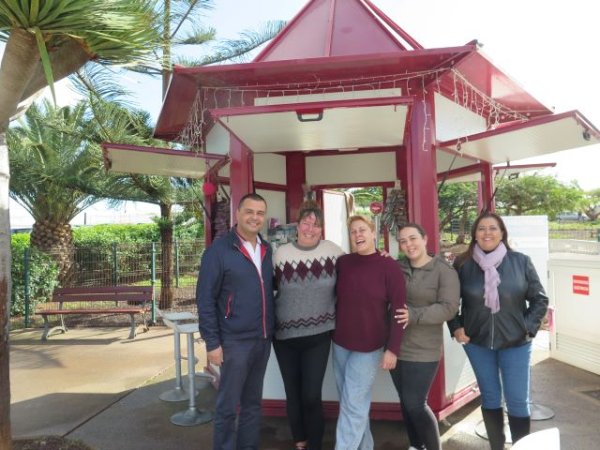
[366, 336]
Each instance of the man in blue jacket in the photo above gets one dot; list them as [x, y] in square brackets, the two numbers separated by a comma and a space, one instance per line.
[235, 307]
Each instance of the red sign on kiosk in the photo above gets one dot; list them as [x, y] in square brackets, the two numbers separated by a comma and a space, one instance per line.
[581, 284]
[376, 207]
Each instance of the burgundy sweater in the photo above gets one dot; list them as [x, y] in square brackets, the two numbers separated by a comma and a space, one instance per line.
[368, 288]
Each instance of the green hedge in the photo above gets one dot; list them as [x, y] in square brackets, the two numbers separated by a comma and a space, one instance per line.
[43, 274]
[106, 235]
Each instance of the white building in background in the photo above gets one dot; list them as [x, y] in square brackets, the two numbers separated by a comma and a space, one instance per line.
[100, 213]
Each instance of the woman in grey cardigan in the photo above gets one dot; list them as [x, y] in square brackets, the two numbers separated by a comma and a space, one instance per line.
[433, 294]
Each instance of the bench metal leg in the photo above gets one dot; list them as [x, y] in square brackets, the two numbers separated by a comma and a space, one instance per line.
[50, 331]
[132, 332]
[191, 416]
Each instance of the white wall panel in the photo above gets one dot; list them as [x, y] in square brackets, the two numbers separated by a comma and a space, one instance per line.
[217, 140]
[351, 168]
[269, 168]
[453, 121]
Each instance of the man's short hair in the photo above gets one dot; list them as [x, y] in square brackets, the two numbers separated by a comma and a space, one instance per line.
[252, 196]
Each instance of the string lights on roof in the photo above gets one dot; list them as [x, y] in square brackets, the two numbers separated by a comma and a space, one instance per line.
[451, 84]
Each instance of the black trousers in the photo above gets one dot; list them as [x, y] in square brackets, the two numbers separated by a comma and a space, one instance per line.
[303, 362]
[413, 381]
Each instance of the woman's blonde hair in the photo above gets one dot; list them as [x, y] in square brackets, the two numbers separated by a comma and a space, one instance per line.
[365, 219]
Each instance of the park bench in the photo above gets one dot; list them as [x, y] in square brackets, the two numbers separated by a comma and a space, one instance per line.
[89, 300]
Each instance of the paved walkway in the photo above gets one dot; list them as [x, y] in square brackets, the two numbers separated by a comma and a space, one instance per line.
[95, 385]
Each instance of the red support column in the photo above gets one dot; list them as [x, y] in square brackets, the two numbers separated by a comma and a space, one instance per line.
[240, 173]
[422, 198]
[209, 206]
[295, 176]
[421, 171]
[487, 188]
[480, 202]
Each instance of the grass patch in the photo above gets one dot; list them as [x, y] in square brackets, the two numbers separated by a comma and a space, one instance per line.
[50, 443]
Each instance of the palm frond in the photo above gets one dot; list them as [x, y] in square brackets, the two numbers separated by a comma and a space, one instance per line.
[99, 81]
[183, 11]
[237, 49]
[197, 36]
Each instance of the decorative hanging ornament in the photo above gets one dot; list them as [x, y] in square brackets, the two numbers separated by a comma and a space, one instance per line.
[209, 188]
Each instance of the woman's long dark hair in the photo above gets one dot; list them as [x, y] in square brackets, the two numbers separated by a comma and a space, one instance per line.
[461, 259]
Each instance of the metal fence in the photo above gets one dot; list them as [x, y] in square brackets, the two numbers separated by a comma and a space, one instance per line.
[574, 246]
[582, 234]
[115, 265]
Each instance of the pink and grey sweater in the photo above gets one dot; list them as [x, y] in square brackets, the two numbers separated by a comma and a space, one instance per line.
[305, 300]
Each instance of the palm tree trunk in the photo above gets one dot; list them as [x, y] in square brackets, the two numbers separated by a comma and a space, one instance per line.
[18, 64]
[166, 240]
[5, 291]
[56, 240]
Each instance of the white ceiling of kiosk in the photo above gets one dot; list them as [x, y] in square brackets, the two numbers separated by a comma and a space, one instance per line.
[342, 127]
[521, 141]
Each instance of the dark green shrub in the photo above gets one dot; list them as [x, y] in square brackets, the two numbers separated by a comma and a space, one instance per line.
[43, 276]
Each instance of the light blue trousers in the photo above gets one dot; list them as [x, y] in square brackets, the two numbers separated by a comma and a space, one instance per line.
[354, 376]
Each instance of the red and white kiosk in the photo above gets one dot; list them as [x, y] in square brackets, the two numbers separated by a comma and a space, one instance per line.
[344, 97]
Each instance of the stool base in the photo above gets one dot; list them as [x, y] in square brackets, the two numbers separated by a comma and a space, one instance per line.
[191, 417]
[175, 395]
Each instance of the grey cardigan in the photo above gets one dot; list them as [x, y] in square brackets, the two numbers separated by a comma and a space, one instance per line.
[433, 294]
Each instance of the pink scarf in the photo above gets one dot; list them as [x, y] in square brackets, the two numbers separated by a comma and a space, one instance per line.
[488, 263]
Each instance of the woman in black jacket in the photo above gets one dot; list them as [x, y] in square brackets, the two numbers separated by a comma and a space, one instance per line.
[502, 307]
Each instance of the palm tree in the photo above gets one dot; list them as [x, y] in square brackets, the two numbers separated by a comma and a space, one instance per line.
[133, 127]
[55, 161]
[47, 41]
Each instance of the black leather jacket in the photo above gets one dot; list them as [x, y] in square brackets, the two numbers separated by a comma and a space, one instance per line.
[523, 304]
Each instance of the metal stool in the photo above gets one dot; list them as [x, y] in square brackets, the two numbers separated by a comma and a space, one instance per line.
[171, 319]
[191, 416]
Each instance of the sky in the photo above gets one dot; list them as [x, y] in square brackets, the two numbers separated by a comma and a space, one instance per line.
[548, 46]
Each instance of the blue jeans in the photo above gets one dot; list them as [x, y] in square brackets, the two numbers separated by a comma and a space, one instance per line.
[354, 376]
[502, 370]
[240, 389]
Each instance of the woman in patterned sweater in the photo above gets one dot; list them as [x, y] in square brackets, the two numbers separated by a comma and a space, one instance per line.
[305, 315]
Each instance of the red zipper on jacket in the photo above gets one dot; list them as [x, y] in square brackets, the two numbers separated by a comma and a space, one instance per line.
[263, 252]
[228, 306]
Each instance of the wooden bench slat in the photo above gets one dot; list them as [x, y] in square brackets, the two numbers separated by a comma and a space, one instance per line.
[94, 297]
[113, 289]
[51, 312]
